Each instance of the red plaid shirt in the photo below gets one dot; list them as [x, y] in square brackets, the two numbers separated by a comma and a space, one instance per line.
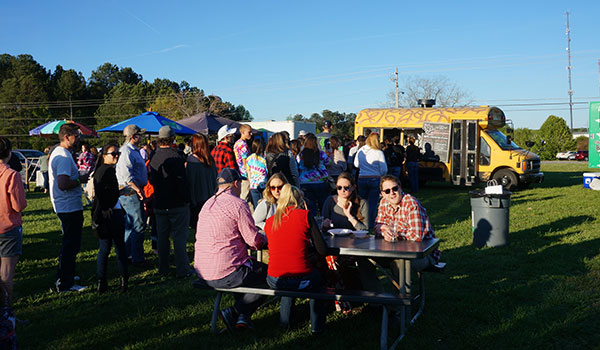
[411, 220]
[224, 157]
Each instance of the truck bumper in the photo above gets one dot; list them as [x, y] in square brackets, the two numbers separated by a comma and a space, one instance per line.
[531, 178]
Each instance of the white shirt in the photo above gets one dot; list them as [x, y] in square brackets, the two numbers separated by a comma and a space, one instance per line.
[371, 162]
[61, 163]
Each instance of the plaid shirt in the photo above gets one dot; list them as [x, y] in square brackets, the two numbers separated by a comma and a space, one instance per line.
[85, 162]
[411, 220]
[224, 157]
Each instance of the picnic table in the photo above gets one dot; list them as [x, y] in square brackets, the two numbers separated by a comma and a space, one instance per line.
[376, 247]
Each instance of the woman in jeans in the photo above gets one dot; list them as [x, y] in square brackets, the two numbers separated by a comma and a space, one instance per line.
[293, 237]
[370, 161]
[201, 174]
[257, 170]
[108, 217]
[312, 165]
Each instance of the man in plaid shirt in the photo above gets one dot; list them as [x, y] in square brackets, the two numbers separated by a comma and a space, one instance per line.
[223, 153]
[401, 216]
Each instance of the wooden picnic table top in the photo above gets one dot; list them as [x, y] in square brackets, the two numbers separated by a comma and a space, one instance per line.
[379, 248]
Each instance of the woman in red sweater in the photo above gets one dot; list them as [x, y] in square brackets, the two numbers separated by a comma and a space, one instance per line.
[293, 237]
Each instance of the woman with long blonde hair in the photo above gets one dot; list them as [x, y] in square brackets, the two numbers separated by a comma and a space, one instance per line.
[293, 236]
[370, 161]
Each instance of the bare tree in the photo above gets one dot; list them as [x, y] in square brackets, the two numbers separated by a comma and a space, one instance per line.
[445, 92]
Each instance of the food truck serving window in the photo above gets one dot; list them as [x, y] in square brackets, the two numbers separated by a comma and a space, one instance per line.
[500, 139]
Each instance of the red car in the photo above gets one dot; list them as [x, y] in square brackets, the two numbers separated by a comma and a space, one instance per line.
[581, 155]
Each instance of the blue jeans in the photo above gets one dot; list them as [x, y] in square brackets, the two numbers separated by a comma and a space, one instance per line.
[71, 225]
[315, 195]
[413, 176]
[247, 276]
[117, 229]
[368, 189]
[134, 227]
[173, 222]
[255, 195]
[395, 171]
[311, 281]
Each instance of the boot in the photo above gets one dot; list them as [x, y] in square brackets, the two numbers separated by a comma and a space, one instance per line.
[102, 285]
[124, 284]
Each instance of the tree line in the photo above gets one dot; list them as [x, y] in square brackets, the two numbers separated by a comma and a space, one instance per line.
[31, 95]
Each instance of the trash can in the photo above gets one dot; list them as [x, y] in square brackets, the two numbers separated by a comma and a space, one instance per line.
[489, 218]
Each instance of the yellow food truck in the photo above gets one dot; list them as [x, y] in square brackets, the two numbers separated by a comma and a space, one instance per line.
[462, 145]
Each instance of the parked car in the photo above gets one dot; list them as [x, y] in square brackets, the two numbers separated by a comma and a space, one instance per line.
[581, 155]
[24, 163]
[30, 153]
[565, 155]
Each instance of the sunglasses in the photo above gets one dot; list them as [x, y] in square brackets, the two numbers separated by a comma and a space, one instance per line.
[388, 190]
[114, 154]
[273, 188]
[345, 188]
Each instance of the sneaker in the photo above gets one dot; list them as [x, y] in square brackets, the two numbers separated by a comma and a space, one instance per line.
[77, 288]
[244, 322]
[228, 317]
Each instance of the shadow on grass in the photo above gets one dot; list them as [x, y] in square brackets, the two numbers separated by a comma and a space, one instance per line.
[561, 179]
[516, 293]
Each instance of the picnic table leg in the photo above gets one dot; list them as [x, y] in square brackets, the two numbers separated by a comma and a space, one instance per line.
[421, 297]
[215, 314]
[408, 288]
[384, 328]
[403, 292]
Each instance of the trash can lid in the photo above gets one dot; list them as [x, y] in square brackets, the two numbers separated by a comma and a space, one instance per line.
[481, 193]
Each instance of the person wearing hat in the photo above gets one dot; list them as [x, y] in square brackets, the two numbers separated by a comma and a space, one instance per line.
[324, 137]
[171, 203]
[225, 229]
[132, 177]
[223, 153]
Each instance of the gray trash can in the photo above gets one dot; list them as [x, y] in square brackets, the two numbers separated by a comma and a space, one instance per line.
[489, 218]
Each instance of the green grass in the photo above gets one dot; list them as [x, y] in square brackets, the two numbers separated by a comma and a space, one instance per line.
[542, 290]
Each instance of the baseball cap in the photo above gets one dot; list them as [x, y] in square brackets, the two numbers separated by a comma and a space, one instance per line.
[133, 129]
[165, 131]
[227, 176]
[302, 133]
[224, 131]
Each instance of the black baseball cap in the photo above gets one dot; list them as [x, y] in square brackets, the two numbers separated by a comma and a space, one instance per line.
[227, 176]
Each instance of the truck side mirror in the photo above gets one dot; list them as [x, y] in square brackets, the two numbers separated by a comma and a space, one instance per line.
[529, 144]
[508, 140]
[509, 131]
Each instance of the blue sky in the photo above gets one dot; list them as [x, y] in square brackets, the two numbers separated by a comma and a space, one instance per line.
[279, 58]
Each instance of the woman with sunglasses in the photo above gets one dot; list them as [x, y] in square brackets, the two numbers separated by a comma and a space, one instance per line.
[345, 209]
[108, 217]
[268, 205]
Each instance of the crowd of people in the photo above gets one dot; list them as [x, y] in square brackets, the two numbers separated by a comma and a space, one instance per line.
[244, 192]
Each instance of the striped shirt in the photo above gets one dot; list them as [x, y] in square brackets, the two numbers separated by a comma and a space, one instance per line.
[225, 227]
[411, 220]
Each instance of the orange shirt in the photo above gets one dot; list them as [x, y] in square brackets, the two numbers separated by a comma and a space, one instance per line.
[12, 198]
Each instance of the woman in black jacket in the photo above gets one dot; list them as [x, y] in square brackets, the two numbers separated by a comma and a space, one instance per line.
[108, 216]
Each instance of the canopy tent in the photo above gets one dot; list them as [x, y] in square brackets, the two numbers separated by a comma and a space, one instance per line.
[152, 122]
[53, 127]
[206, 123]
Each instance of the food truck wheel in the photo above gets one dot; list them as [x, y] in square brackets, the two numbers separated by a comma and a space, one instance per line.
[507, 178]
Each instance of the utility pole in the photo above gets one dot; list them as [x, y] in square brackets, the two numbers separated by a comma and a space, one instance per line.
[396, 80]
[569, 68]
[71, 107]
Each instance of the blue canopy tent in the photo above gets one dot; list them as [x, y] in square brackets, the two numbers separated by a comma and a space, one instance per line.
[152, 122]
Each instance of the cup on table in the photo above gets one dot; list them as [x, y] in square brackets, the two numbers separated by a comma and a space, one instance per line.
[394, 227]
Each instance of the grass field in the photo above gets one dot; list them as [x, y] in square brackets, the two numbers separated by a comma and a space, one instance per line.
[541, 291]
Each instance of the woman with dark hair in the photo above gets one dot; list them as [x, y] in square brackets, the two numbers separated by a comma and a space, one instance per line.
[278, 158]
[338, 161]
[201, 175]
[345, 209]
[313, 174]
[295, 147]
[257, 170]
[108, 217]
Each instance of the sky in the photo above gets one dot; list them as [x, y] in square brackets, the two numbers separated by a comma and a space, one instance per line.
[280, 58]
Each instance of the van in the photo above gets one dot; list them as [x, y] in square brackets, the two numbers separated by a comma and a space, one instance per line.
[464, 145]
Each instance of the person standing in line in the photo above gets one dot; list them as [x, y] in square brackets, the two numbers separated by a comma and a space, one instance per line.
[44, 168]
[171, 204]
[86, 160]
[12, 203]
[372, 166]
[133, 176]
[324, 137]
[337, 165]
[412, 164]
[108, 217]
[223, 153]
[65, 195]
[225, 231]
[360, 141]
[279, 159]
[257, 171]
[242, 152]
[201, 174]
[313, 174]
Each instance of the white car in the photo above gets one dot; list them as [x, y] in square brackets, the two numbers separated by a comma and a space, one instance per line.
[566, 155]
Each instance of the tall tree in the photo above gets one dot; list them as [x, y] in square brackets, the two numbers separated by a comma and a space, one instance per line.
[107, 76]
[123, 101]
[445, 92]
[557, 137]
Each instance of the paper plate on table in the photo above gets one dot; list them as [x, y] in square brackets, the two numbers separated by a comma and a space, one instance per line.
[339, 231]
[360, 233]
